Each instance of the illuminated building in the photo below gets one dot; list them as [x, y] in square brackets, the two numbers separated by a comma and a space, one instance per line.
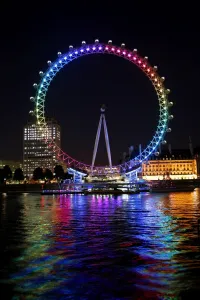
[36, 152]
[169, 169]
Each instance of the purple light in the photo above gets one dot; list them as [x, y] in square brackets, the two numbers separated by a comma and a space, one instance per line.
[88, 49]
[100, 48]
[94, 48]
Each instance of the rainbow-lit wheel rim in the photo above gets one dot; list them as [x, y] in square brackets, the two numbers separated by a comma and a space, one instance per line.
[133, 57]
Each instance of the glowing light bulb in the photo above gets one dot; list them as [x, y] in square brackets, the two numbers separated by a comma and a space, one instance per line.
[129, 55]
[113, 49]
[124, 52]
[139, 61]
[88, 49]
[94, 48]
[82, 50]
[118, 51]
[144, 66]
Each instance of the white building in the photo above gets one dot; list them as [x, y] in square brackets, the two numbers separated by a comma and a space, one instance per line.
[36, 152]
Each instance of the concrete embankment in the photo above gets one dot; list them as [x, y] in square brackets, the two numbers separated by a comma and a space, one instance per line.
[26, 188]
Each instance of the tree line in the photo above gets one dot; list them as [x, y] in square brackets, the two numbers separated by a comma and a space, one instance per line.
[38, 174]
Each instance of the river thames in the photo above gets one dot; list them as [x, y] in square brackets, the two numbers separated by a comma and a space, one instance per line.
[143, 246]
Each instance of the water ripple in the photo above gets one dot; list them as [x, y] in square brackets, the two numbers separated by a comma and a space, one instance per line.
[100, 247]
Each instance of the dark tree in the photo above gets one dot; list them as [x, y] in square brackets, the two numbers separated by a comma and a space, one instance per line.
[68, 176]
[38, 174]
[48, 175]
[18, 175]
[59, 172]
[7, 172]
[1, 176]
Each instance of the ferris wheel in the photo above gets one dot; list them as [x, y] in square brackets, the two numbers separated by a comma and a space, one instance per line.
[134, 58]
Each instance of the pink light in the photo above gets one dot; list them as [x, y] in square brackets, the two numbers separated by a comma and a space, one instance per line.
[124, 52]
[139, 61]
[113, 49]
[144, 66]
[118, 51]
[129, 55]
[148, 70]
[134, 57]
[106, 48]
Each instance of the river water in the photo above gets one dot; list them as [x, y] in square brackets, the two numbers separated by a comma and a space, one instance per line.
[142, 246]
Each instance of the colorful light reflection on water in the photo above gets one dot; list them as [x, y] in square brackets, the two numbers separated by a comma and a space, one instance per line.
[87, 247]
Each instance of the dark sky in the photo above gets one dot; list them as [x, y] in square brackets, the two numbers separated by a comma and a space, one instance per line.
[31, 36]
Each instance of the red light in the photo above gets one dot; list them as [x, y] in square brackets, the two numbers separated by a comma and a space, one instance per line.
[152, 74]
[144, 66]
[148, 70]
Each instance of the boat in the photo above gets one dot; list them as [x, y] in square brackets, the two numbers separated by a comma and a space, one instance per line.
[162, 188]
[60, 192]
[110, 192]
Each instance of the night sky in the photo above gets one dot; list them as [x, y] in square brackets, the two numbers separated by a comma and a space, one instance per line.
[30, 37]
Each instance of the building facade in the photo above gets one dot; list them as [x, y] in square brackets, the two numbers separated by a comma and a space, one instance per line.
[169, 169]
[36, 152]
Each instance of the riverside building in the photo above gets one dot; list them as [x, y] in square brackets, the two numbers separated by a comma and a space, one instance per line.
[36, 152]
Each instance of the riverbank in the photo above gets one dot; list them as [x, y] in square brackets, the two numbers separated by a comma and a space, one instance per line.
[26, 188]
[37, 188]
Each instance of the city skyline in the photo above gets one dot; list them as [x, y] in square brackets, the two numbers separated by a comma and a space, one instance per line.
[77, 93]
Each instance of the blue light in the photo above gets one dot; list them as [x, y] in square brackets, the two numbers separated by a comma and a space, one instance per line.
[65, 57]
[60, 61]
[48, 75]
[82, 50]
[100, 48]
[51, 70]
[70, 54]
[56, 65]
[76, 52]
[88, 49]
